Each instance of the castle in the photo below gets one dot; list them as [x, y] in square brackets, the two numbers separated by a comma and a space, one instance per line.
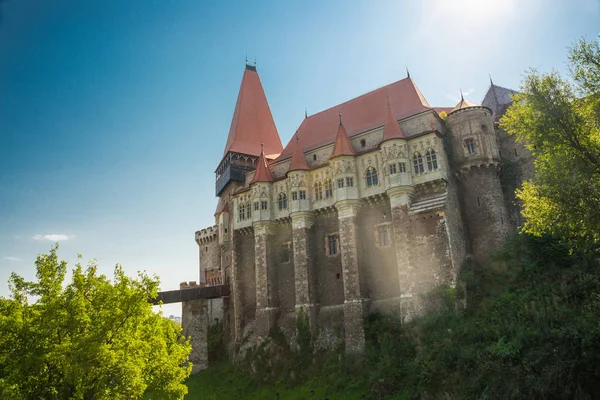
[372, 203]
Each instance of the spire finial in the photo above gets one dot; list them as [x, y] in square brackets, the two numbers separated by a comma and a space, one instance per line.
[491, 82]
[262, 148]
[254, 62]
[297, 136]
[388, 99]
[340, 118]
[461, 95]
[246, 58]
[305, 112]
[407, 73]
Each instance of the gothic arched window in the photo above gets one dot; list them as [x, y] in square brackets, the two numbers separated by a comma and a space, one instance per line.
[418, 163]
[372, 179]
[282, 200]
[328, 188]
[318, 191]
[431, 160]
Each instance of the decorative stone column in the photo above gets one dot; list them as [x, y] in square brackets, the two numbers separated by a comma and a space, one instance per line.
[399, 203]
[194, 321]
[353, 302]
[304, 273]
[266, 289]
[236, 285]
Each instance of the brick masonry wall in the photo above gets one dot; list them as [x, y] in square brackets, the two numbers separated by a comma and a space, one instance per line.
[194, 321]
[377, 261]
[328, 268]
[484, 210]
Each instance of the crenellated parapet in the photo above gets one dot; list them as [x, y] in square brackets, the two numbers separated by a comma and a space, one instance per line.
[207, 235]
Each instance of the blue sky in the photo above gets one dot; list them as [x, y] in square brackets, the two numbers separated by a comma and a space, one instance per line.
[114, 114]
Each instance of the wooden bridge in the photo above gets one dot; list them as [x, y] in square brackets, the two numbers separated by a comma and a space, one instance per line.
[193, 293]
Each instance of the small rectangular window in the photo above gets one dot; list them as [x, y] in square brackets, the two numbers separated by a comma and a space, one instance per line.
[383, 235]
[393, 169]
[263, 205]
[294, 195]
[340, 183]
[256, 206]
[285, 252]
[350, 182]
[302, 195]
[332, 245]
[402, 167]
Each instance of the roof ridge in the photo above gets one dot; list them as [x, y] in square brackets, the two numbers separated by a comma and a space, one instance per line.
[365, 94]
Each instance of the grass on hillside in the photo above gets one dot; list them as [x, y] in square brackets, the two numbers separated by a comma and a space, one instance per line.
[222, 381]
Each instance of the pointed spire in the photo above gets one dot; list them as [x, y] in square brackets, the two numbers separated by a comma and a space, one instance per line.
[305, 112]
[298, 159]
[252, 121]
[462, 98]
[391, 130]
[342, 145]
[491, 81]
[407, 73]
[262, 173]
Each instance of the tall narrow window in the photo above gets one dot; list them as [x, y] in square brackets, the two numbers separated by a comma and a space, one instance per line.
[241, 212]
[402, 167]
[282, 201]
[294, 195]
[393, 169]
[431, 160]
[302, 194]
[332, 245]
[256, 206]
[470, 146]
[318, 191]
[248, 211]
[383, 235]
[340, 183]
[418, 163]
[349, 181]
[328, 188]
[372, 177]
[264, 205]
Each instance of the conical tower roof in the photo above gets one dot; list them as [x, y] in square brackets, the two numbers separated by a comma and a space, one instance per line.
[252, 122]
[391, 130]
[342, 145]
[298, 159]
[462, 104]
[263, 173]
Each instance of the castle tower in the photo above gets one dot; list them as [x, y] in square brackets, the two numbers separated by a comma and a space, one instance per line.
[252, 133]
[348, 203]
[303, 220]
[398, 179]
[477, 162]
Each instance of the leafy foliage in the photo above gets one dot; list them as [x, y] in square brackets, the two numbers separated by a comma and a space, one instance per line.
[88, 339]
[559, 121]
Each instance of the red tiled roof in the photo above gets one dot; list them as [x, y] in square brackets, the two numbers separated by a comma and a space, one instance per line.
[391, 130]
[222, 206]
[360, 114]
[298, 158]
[263, 173]
[342, 145]
[252, 122]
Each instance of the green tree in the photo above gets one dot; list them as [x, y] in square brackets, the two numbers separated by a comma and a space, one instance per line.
[92, 338]
[559, 121]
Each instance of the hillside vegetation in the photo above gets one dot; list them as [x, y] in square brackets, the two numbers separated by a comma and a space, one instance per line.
[531, 330]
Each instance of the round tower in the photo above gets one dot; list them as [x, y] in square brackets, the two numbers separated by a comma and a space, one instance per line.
[477, 165]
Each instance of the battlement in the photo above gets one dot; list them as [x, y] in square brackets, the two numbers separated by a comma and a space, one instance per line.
[207, 235]
[188, 285]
